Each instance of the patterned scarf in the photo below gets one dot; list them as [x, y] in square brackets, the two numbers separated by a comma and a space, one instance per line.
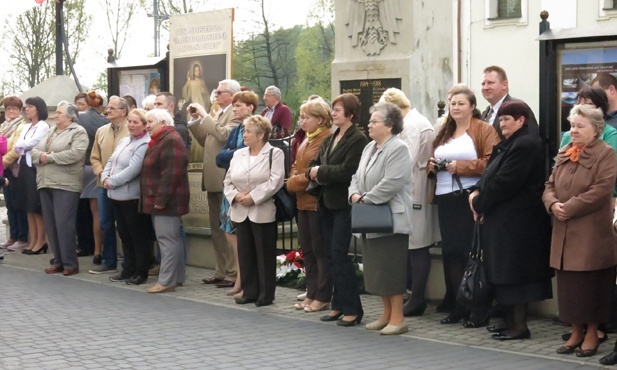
[314, 134]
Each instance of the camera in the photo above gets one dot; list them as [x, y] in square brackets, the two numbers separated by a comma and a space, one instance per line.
[193, 110]
[440, 165]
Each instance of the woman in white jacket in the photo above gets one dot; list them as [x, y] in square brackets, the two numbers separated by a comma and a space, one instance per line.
[121, 179]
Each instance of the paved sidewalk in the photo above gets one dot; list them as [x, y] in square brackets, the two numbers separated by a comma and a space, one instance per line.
[545, 335]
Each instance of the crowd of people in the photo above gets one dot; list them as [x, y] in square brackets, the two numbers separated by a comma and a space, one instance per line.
[473, 171]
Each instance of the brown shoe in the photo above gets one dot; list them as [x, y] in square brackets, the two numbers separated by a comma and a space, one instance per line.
[54, 270]
[69, 272]
[225, 284]
[212, 280]
[158, 288]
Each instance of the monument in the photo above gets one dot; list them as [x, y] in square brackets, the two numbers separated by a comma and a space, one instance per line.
[393, 43]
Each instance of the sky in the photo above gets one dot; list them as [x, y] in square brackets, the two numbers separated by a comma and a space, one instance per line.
[282, 13]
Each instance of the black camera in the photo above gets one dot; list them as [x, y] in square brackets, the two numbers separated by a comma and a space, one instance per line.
[192, 110]
[440, 165]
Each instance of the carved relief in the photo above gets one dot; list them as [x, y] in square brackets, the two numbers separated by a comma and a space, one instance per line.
[373, 23]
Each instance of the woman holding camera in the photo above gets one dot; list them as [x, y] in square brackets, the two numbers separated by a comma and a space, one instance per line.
[461, 150]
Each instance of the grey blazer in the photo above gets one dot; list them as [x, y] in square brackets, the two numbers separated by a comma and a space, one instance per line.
[385, 177]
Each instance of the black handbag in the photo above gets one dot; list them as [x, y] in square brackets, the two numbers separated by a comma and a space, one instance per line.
[371, 218]
[285, 203]
[475, 290]
[313, 188]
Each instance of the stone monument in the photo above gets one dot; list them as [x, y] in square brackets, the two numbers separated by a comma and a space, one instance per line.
[393, 43]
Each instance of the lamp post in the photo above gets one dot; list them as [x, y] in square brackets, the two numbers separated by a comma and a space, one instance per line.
[157, 26]
[59, 27]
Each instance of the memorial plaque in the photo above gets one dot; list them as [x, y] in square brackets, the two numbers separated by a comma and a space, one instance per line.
[368, 92]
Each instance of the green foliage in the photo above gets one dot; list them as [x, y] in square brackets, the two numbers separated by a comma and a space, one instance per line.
[314, 55]
[101, 83]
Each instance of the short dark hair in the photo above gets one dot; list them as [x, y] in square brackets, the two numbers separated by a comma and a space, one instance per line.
[247, 97]
[392, 116]
[12, 101]
[351, 106]
[597, 95]
[516, 109]
[169, 97]
[501, 73]
[40, 105]
[81, 95]
[130, 101]
[605, 80]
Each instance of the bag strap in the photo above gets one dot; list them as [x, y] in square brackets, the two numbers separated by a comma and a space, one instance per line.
[271, 158]
[476, 247]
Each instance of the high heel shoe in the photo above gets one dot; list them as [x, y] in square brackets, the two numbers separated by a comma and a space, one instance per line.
[38, 251]
[331, 317]
[417, 311]
[356, 320]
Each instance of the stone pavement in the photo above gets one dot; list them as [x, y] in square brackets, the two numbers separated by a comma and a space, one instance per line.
[86, 321]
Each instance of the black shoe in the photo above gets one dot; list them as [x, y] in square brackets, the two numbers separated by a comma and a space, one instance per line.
[470, 324]
[136, 280]
[245, 300]
[453, 318]
[38, 251]
[259, 303]
[353, 322]
[580, 352]
[566, 350]
[97, 259]
[408, 311]
[119, 277]
[496, 328]
[331, 317]
[504, 336]
[610, 359]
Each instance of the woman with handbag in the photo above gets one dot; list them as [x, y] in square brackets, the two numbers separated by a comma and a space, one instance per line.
[579, 197]
[256, 172]
[516, 229]
[384, 177]
[333, 168]
[460, 153]
[315, 121]
[244, 104]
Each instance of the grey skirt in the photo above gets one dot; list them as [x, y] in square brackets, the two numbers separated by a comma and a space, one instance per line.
[385, 264]
[90, 189]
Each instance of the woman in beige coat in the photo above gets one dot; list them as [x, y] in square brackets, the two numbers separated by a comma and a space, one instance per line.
[59, 157]
[578, 195]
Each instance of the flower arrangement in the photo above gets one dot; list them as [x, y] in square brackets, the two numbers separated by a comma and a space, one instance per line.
[290, 270]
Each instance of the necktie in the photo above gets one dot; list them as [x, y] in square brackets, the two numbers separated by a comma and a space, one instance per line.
[488, 115]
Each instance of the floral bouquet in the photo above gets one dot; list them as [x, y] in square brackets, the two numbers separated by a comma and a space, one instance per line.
[290, 270]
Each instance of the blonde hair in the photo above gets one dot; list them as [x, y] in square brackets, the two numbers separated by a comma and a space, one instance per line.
[261, 125]
[593, 115]
[396, 97]
[140, 113]
[320, 109]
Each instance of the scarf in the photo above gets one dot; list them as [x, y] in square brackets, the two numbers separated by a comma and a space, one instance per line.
[155, 136]
[574, 152]
[314, 134]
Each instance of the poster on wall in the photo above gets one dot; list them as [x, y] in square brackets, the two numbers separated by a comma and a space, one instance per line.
[140, 83]
[200, 49]
[579, 67]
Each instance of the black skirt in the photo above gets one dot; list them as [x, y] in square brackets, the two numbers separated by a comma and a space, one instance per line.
[585, 296]
[25, 194]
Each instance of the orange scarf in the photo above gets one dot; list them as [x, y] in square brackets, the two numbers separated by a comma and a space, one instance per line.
[574, 152]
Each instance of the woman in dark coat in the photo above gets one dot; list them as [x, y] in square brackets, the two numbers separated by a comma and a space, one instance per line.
[516, 230]
[337, 161]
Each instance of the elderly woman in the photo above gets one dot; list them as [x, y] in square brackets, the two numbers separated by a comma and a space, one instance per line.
[384, 176]
[333, 168]
[59, 157]
[244, 104]
[516, 230]
[27, 198]
[315, 120]
[164, 194]
[121, 179]
[578, 196]
[89, 235]
[11, 130]
[255, 174]
[418, 134]
[461, 150]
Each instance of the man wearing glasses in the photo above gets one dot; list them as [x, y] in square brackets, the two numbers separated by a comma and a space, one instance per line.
[277, 112]
[212, 133]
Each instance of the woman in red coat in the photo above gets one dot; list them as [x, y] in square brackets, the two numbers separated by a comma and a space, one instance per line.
[165, 195]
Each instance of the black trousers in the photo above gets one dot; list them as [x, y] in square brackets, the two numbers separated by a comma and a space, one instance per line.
[135, 230]
[83, 225]
[257, 259]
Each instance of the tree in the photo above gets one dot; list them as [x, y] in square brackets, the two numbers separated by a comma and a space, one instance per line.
[32, 49]
[119, 15]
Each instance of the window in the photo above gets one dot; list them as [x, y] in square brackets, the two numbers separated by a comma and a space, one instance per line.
[607, 9]
[509, 9]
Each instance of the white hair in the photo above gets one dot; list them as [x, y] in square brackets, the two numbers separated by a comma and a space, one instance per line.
[148, 101]
[161, 115]
[275, 91]
[233, 86]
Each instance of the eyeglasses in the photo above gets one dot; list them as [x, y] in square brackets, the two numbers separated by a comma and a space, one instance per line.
[372, 121]
[112, 108]
[219, 92]
[12, 109]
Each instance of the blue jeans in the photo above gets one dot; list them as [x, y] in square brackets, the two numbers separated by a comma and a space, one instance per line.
[336, 232]
[108, 228]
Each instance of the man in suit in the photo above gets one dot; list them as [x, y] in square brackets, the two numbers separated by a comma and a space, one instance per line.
[277, 112]
[212, 133]
[495, 90]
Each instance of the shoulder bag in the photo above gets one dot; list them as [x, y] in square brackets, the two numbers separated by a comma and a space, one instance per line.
[475, 290]
[285, 203]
